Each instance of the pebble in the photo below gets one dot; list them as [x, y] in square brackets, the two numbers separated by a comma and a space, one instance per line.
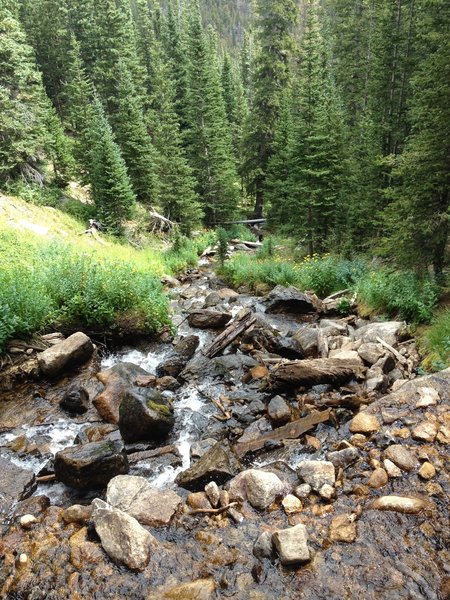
[302, 491]
[278, 410]
[262, 488]
[427, 397]
[401, 504]
[213, 492]
[343, 458]
[427, 471]
[378, 478]
[343, 528]
[425, 432]
[391, 469]
[292, 545]
[77, 513]
[364, 423]
[23, 559]
[198, 500]
[401, 457]
[292, 504]
[326, 491]
[27, 521]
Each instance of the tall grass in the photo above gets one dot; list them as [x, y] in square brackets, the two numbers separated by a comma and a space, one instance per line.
[434, 343]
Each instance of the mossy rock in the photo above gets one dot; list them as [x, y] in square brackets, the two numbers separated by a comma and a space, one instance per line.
[145, 415]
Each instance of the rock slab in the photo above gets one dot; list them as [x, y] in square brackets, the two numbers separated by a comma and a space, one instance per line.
[73, 351]
[16, 484]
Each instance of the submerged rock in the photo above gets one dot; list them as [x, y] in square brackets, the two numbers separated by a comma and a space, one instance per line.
[343, 528]
[73, 351]
[16, 484]
[292, 545]
[200, 589]
[214, 465]
[145, 414]
[121, 536]
[137, 497]
[91, 466]
[401, 504]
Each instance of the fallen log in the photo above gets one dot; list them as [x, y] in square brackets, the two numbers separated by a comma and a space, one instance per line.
[290, 431]
[247, 243]
[229, 335]
[315, 371]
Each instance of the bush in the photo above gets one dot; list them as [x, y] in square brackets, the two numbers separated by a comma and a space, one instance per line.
[434, 343]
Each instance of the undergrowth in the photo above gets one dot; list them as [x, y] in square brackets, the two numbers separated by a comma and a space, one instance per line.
[434, 343]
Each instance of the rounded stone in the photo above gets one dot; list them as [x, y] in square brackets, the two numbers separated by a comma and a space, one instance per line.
[364, 423]
[427, 471]
[378, 478]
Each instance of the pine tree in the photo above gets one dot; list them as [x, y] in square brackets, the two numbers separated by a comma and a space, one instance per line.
[235, 105]
[417, 221]
[208, 136]
[276, 20]
[132, 136]
[59, 148]
[23, 104]
[111, 186]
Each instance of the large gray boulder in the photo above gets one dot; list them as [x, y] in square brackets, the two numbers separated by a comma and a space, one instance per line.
[122, 538]
[136, 497]
[71, 352]
[288, 300]
[92, 465]
[388, 331]
[145, 414]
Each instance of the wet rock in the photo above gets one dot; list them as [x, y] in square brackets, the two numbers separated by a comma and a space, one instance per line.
[332, 328]
[200, 589]
[91, 466]
[288, 300]
[73, 351]
[211, 300]
[77, 513]
[279, 411]
[401, 457]
[208, 319]
[169, 281]
[27, 521]
[427, 471]
[228, 294]
[378, 478]
[82, 551]
[214, 465]
[75, 400]
[371, 353]
[292, 504]
[199, 448]
[302, 491]
[171, 367]
[96, 433]
[198, 500]
[136, 496]
[16, 484]
[262, 488]
[343, 528]
[145, 415]
[121, 536]
[213, 492]
[117, 381]
[388, 331]
[263, 547]
[391, 469]
[34, 505]
[401, 504]
[187, 346]
[307, 342]
[364, 423]
[425, 431]
[317, 473]
[343, 458]
[167, 383]
[292, 545]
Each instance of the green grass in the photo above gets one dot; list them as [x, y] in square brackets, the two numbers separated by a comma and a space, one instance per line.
[434, 343]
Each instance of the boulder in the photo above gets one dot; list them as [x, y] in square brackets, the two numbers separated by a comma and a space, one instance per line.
[71, 352]
[145, 414]
[16, 484]
[171, 367]
[187, 346]
[292, 545]
[136, 496]
[317, 473]
[288, 300]
[91, 466]
[262, 488]
[75, 400]
[214, 465]
[200, 589]
[333, 328]
[117, 381]
[121, 536]
[208, 319]
[307, 341]
[371, 353]
[388, 331]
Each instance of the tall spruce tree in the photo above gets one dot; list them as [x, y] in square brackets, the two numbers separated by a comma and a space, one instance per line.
[208, 135]
[417, 221]
[111, 187]
[276, 19]
[131, 134]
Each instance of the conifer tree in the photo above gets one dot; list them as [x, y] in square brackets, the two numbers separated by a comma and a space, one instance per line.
[131, 134]
[276, 20]
[208, 136]
[111, 186]
[23, 136]
[59, 148]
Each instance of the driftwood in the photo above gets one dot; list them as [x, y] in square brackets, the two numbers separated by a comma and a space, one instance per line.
[315, 371]
[159, 222]
[290, 431]
[44, 478]
[401, 359]
[229, 335]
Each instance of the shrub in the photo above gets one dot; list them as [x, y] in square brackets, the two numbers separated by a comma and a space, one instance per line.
[434, 343]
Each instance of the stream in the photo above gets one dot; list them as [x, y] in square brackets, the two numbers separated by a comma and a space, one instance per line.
[368, 554]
